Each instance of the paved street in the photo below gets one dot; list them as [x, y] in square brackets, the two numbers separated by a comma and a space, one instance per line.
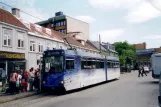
[129, 91]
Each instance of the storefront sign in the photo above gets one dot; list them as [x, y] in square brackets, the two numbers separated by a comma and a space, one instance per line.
[10, 55]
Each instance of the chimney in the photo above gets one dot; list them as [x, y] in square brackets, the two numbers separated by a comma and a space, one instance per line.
[16, 12]
[144, 45]
[83, 43]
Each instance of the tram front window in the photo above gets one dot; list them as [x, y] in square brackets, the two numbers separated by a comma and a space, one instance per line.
[54, 64]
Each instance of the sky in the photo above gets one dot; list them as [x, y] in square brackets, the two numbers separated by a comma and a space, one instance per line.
[135, 21]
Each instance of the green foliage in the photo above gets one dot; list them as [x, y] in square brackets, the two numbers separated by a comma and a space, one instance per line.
[127, 52]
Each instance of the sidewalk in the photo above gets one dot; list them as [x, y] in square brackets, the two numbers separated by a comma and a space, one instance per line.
[6, 98]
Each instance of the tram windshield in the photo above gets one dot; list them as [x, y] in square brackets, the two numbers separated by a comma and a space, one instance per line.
[54, 64]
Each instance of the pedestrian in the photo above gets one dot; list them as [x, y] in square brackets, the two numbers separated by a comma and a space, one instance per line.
[31, 79]
[4, 77]
[24, 85]
[143, 71]
[26, 75]
[12, 84]
[140, 72]
[37, 80]
[18, 82]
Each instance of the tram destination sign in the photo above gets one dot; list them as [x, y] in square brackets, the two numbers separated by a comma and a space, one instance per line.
[11, 55]
[50, 53]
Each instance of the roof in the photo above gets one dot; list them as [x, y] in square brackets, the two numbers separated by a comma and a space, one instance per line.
[8, 18]
[42, 22]
[73, 41]
[42, 31]
[145, 51]
[106, 46]
[97, 45]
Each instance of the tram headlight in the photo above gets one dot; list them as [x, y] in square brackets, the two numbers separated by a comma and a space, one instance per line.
[62, 82]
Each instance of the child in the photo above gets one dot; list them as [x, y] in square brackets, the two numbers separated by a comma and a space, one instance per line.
[24, 85]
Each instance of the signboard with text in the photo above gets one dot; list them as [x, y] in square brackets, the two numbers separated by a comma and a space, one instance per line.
[11, 55]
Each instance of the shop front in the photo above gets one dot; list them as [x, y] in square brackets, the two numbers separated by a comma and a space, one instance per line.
[11, 61]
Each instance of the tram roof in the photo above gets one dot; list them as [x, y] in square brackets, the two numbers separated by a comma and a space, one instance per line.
[88, 54]
[84, 54]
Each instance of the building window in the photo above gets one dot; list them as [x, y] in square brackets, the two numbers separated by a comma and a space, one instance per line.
[49, 45]
[62, 23]
[40, 47]
[32, 46]
[20, 40]
[58, 23]
[7, 37]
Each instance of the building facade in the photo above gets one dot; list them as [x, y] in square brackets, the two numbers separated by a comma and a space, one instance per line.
[143, 55]
[13, 43]
[66, 24]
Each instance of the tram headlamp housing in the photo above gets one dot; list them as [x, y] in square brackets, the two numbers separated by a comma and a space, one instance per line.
[43, 82]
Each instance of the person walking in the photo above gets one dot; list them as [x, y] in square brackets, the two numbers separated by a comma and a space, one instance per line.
[140, 72]
[143, 71]
[4, 77]
[31, 79]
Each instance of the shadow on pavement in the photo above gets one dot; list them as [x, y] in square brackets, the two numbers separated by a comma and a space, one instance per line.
[150, 82]
[55, 92]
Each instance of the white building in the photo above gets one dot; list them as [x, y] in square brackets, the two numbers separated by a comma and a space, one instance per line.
[13, 43]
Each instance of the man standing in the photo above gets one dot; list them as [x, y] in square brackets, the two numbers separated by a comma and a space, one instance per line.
[143, 71]
[3, 80]
[31, 79]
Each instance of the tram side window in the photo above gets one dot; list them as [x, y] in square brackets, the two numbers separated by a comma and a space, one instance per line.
[98, 64]
[101, 64]
[92, 64]
[69, 64]
[108, 64]
[114, 65]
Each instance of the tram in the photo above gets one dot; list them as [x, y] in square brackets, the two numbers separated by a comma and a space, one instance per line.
[72, 69]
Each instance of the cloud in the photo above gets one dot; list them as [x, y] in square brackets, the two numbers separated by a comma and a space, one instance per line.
[109, 35]
[151, 37]
[142, 13]
[87, 19]
[137, 11]
[35, 12]
[112, 4]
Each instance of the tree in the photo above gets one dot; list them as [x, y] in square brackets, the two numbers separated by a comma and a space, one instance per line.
[126, 52]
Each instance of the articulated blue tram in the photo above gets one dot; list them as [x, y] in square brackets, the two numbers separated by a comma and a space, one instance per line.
[72, 69]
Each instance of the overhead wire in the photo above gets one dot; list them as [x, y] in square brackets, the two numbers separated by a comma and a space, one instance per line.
[21, 11]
